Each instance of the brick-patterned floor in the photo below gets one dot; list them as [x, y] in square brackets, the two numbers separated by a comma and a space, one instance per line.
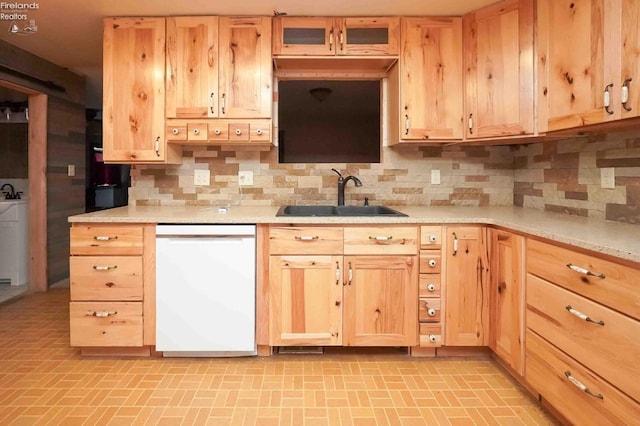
[44, 381]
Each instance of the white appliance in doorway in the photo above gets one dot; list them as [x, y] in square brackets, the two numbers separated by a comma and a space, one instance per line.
[14, 242]
[206, 290]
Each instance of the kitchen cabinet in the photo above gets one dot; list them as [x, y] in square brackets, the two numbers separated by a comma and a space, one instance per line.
[352, 286]
[133, 111]
[506, 298]
[582, 317]
[429, 80]
[327, 36]
[467, 289]
[111, 286]
[498, 62]
[430, 287]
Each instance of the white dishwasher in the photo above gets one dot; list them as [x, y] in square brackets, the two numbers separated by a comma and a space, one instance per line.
[206, 290]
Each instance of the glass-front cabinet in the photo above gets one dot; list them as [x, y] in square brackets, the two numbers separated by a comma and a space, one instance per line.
[321, 36]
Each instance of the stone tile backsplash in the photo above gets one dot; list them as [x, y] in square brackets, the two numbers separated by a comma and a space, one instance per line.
[561, 176]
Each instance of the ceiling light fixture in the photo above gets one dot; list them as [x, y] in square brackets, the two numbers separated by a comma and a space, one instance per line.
[30, 28]
[320, 93]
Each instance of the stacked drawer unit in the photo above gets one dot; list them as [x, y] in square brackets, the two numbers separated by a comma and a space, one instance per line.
[583, 324]
[430, 287]
[106, 286]
[219, 132]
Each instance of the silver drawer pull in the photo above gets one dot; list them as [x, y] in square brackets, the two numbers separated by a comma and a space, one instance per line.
[102, 314]
[380, 237]
[306, 238]
[581, 386]
[582, 316]
[584, 271]
[104, 238]
[104, 267]
[431, 287]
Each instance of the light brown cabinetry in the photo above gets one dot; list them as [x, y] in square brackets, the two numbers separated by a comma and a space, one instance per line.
[327, 36]
[320, 297]
[429, 80]
[430, 287]
[506, 298]
[581, 327]
[498, 63]
[134, 93]
[467, 288]
[111, 285]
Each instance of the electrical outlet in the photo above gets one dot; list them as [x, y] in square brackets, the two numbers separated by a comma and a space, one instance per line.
[435, 177]
[201, 177]
[71, 170]
[245, 178]
[608, 177]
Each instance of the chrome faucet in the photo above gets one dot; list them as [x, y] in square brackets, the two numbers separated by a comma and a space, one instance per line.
[11, 194]
[342, 181]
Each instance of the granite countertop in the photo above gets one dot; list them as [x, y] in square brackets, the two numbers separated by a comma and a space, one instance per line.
[611, 238]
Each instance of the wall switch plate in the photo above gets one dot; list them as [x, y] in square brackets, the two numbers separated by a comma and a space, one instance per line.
[435, 177]
[71, 170]
[608, 177]
[245, 178]
[201, 177]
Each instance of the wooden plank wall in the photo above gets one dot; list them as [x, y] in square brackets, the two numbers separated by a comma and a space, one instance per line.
[65, 92]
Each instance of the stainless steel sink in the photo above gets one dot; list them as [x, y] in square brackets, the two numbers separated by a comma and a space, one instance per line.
[337, 211]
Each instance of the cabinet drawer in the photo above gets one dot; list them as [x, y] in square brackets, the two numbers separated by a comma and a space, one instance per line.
[429, 310]
[177, 131]
[381, 240]
[218, 131]
[431, 335]
[305, 240]
[430, 262]
[197, 131]
[611, 350]
[101, 239]
[239, 132]
[105, 323]
[429, 285]
[105, 277]
[430, 237]
[547, 370]
[260, 131]
[618, 289]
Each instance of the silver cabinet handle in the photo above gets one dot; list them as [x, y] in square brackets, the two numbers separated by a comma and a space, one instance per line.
[606, 102]
[104, 238]
[581, 386]
[380, 237]
[306, 237]
[406, 124]
[584, 271]
[175, 131]
[104, 267]
[455, 244]
[624, 96]
[238, 132]
[102, 314]
[350, 274]
[217, 131]
[431, 287]
[337, 272]
[223, 103]
[259, 132]
[157, 146]
[196, 132]
[582, 316]
[212, 102]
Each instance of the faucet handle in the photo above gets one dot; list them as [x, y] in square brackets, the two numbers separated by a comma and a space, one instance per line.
[18, 193]
[366, 201]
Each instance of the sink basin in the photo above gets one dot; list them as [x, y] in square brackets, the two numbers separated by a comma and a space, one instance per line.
[338, 211]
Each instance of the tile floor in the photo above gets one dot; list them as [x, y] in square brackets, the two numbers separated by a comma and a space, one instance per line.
[44, 381]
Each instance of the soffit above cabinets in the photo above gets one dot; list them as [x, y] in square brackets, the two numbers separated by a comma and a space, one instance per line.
[305, 67]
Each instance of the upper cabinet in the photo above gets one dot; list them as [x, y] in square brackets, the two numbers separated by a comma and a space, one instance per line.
[322, 36]
[498, 63]
[134, 93]
[219, 67]
[430, 79]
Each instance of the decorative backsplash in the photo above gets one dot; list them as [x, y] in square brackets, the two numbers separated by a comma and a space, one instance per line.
[561, 176]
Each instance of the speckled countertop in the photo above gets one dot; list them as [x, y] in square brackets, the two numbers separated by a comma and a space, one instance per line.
[611, 238]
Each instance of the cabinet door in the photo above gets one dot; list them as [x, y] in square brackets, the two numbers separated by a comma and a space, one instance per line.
[571, 63]
[192, 67]
[368, 36]
[381, 301]
[498, 59]
[467, 287]
[304, 36]
[506, 299]
[630, 76]
[245, 77]
[306, 300]
[133, 126]
[431, 79]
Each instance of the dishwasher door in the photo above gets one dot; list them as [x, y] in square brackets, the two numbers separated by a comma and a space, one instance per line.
[206, 290]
